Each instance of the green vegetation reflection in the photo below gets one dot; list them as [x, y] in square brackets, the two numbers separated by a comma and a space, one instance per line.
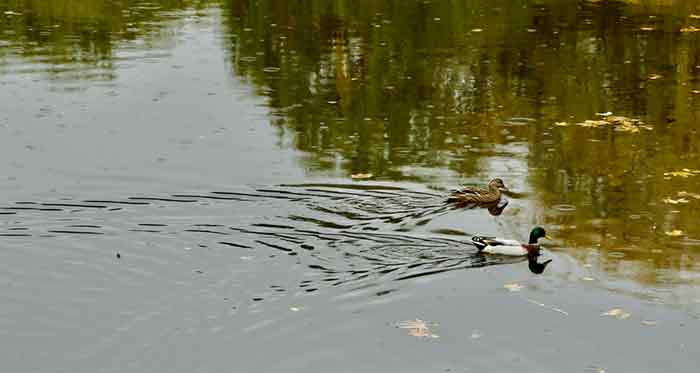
[596, 102]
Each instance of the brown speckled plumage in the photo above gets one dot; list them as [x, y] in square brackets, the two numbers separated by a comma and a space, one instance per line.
[479, 196]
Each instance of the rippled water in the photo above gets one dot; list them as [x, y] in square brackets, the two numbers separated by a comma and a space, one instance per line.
[261, 186]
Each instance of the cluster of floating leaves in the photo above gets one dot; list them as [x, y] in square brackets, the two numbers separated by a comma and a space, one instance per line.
[682, 198]
[685, 173]
[416, 328]
[619, 123]
[690, 29]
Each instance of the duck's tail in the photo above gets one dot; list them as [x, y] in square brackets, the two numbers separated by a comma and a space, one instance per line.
[479, 242]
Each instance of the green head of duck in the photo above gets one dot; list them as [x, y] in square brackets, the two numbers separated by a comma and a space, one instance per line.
[536, 234]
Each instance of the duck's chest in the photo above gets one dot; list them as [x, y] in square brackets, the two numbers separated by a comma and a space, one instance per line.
[515, 250]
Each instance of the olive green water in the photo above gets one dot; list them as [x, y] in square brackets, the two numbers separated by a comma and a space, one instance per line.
[212, 144]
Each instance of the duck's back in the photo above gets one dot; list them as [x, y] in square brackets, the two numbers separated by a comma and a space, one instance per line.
[511, 250]
[475, 195]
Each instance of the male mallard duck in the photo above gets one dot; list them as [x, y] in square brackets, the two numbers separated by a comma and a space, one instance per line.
[471, 195]
[493, 245]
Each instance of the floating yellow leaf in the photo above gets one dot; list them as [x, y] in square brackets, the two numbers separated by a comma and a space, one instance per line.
[687, 194]
[690, 29]
[617, 313]
[513, 287]
[416, 328]
[561, 124]
[675, 201]
[675, 233]
[682, 173]
[655, 77]
[477, 30]
[592, 123]
[360, 176]
[612, 312]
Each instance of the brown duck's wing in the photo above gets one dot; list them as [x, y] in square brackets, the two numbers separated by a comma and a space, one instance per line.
[470, 190]
[480, 199]
[475, 195]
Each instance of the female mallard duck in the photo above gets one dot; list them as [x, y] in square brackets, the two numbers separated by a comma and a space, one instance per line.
[479, 196]
[492, 245]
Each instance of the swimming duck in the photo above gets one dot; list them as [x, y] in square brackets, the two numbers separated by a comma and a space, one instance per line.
[493, 245]
[471, 195]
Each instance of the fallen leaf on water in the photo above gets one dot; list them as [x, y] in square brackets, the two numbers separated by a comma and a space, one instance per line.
[591, 123]
[648, 322]
[674, 233]
[654, 76]
[361, 176]
[675, 201]
[294, 309]
[477, 30]
[687, 194]
[587, 279]
[416, 328]
[682, 173]
[561, 124]
[617, 313]
[647, 28]
[612, 312]
[513, 287]
[619, 123]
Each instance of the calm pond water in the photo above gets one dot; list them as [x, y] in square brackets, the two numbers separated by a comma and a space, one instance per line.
[199, 186]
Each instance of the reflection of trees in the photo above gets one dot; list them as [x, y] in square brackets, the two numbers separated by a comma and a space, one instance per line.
[375, 86]
[76, 39]
[388, 84]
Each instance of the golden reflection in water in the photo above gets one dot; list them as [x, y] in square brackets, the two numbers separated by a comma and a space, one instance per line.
[394, 87]
[69, 41]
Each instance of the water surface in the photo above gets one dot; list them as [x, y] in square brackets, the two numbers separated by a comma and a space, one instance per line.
[212, 146]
